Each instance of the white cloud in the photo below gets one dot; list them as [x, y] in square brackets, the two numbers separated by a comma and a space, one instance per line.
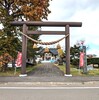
[85, 11]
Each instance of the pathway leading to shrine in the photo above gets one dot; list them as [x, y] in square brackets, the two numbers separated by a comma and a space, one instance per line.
[46, 69]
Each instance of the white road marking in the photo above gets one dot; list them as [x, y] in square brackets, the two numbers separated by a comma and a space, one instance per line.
[43, 88]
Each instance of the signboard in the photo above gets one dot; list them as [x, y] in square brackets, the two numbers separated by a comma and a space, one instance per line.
[81, 62]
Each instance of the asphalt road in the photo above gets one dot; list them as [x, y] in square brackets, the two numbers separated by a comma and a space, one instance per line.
[49, 93]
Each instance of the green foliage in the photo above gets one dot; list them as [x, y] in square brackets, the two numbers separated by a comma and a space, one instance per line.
[74, 55]
[75, 62]
[93, 61]
[74, 52]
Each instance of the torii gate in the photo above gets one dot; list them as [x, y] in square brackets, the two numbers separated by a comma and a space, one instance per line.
[67, 26]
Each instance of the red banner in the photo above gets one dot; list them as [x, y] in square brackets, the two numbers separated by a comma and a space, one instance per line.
[19, 60]
[81, 62]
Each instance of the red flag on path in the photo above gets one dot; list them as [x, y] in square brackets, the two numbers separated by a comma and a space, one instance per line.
[81, 62]
[19, 60]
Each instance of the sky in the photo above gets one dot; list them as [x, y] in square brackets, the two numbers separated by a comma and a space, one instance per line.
[85, 11]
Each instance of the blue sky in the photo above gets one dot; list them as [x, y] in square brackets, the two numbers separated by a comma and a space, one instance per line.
[85, 11]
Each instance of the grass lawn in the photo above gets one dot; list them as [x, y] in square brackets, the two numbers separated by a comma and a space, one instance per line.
[17, 71]
[73, 69]
[79, 72]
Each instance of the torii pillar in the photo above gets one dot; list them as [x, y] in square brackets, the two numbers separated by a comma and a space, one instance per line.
[24, 51]
[67, 48]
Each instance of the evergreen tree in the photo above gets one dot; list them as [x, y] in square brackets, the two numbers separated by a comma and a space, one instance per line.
[74, 55]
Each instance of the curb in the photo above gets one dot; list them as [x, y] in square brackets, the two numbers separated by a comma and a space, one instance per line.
[51, 84]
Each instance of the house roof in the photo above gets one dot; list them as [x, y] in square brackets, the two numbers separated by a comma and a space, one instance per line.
[51, 50]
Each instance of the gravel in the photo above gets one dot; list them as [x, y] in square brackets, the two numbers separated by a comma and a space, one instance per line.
[46, 69]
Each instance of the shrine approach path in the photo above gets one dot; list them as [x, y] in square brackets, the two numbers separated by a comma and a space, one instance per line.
[46, 69]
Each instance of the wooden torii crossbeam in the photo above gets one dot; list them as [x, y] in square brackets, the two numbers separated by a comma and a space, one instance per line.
[67, 26]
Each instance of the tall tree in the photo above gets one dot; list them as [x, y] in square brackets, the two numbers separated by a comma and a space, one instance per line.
[18, 10]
